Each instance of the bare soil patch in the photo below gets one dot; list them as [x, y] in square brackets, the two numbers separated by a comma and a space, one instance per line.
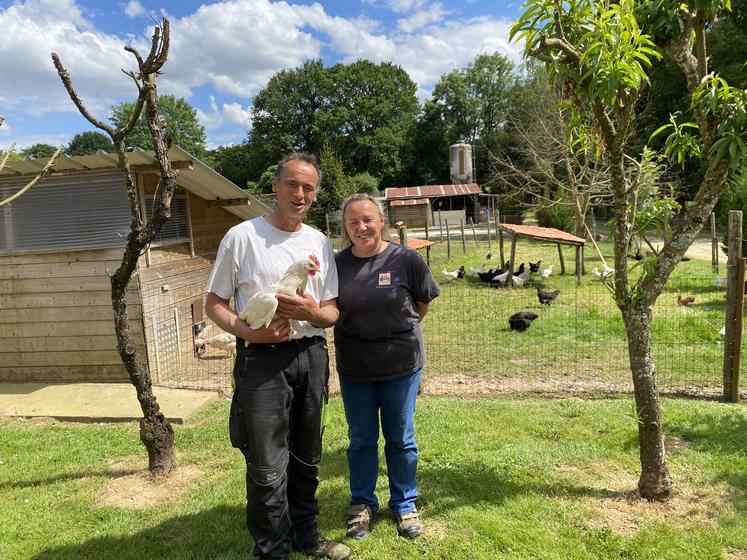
[131, 485]
[620, 507]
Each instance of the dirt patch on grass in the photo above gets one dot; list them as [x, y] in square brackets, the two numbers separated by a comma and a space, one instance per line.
[618, 506]
[132, 487]
[733, 554]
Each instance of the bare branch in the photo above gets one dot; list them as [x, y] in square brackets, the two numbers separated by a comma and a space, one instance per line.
[65, 77]
[43, 173]
[547, 44]
[7, 155]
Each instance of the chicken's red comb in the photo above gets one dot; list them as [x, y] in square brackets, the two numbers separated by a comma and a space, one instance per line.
[315, 260]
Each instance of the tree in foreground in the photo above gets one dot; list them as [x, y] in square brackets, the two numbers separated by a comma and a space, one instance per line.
[156, 432]
[602, 53]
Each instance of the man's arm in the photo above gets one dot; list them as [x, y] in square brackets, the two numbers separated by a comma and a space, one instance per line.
[218, 309]
[304, 308]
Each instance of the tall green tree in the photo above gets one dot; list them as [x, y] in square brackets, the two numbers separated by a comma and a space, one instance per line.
[233, 162]
[602, 53]
[89, 142]
[365, 110]
[39, 151]
[180, 123]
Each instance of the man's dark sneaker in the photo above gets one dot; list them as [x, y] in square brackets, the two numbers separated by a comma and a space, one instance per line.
[360, 519]
[408, 524]
[329, 549]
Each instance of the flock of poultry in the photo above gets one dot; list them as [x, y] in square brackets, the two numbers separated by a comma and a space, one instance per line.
[297, 274]
[501, 277]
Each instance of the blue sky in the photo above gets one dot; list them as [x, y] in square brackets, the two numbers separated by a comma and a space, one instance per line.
[222, 53]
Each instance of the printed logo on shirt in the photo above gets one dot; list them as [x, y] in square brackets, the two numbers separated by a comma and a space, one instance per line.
[385, 278]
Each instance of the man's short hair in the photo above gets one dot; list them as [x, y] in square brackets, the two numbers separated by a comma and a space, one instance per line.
[303, 156]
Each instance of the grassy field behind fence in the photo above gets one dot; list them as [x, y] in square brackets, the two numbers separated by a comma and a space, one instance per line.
[578, 343]
[510, 479]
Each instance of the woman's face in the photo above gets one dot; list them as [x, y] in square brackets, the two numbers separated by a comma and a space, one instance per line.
[364, 224]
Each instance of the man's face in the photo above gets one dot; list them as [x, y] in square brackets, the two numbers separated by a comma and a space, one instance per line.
[296, 189]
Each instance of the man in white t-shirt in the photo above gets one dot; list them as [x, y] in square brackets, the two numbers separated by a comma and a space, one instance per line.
[282, 371]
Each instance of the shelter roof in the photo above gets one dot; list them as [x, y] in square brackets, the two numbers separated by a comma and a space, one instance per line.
[197, 178]
[413, 242]
[431, 191]
[543, 234]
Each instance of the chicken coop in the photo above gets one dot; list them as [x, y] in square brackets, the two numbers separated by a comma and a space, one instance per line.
[61, 241]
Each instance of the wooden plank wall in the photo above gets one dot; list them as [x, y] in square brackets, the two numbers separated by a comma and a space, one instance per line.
[414, 216]
[56, 319]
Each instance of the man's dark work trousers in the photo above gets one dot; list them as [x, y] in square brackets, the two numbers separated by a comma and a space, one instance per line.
[276, 421]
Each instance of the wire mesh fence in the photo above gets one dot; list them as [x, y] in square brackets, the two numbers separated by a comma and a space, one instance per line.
[577, 343]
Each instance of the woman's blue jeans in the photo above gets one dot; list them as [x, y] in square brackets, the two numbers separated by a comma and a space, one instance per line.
[394, 400]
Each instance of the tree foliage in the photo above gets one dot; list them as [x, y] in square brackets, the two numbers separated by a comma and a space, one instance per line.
[601, 53]
[364, 110]
[178, 118]
[39, 151]
[89, 142]
[233, 162]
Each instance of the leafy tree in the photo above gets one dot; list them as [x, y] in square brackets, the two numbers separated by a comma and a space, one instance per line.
[365, 110]
[335, 186]
[89, 142]
[233, 162]
[180, 123]
[601, 53]
[364, 183]
[264, 185]
[472, 103]
[39, 151]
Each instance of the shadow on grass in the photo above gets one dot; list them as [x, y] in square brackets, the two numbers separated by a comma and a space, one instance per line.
[218, 533]
[444, 488]
[65, 477]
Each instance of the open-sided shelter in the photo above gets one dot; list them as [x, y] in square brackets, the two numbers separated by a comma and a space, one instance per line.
[61, 240]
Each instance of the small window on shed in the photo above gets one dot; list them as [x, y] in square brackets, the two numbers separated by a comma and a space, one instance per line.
[176, 228]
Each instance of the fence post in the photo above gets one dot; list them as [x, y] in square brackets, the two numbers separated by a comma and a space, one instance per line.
[474, 234]
[738, 331]
[464, 243]
[448, 241]
[326, 219]
[714, 244]
[428, 248]
[440, 228]
[732, 289]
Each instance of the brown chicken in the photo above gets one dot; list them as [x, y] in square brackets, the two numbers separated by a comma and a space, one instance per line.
[685, 300]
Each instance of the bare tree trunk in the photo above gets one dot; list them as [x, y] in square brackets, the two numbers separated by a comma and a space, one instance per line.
[655, 482]
[156, 432]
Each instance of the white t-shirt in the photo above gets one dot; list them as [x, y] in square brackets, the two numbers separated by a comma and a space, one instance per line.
[256, 254]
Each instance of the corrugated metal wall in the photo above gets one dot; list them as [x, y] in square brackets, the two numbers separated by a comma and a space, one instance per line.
[65, 211]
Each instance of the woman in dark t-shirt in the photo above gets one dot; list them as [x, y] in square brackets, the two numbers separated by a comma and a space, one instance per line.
[385, 291]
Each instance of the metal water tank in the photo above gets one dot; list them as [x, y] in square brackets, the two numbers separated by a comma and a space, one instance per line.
[460, 156]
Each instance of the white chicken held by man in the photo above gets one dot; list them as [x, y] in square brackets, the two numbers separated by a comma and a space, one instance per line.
[260, 309]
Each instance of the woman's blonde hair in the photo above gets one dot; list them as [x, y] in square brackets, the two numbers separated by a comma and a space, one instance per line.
[355, 198]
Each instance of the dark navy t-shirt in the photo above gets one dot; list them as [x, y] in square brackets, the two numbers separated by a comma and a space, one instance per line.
[378, 335]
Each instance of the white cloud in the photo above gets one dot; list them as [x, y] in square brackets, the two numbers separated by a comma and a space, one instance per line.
[226, 114]
[134, 9]
[421, 18]
[404, 6]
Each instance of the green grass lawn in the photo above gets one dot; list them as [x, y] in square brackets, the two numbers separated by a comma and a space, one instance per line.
[514, 479]
[579, 340]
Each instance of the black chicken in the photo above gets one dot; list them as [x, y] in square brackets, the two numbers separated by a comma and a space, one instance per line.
[534, 267]
[521, 321]
[546, 298]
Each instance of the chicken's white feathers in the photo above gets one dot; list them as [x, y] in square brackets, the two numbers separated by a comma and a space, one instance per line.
[545, 272]
[603, 274]
[521, 278]
[224, 341]
[259, 310]
[449, 276]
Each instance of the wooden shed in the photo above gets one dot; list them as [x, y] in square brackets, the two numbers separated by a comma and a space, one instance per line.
[61, 240]
[417, 206]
